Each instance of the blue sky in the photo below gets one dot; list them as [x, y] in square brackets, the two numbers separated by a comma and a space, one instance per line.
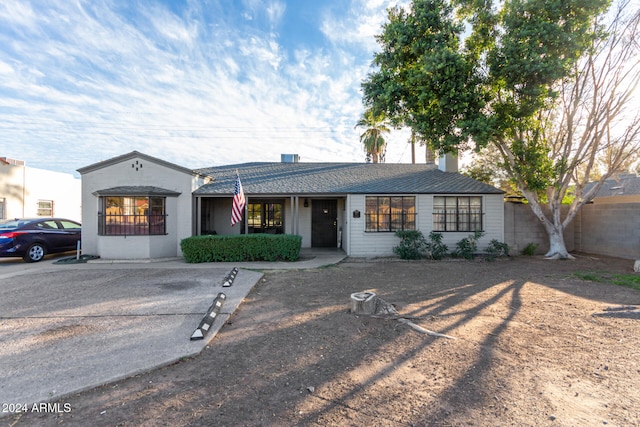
[198, 83]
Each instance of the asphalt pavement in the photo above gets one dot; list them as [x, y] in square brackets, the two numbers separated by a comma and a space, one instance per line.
[65, 328]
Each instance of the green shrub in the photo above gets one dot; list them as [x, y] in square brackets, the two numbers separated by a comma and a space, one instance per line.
[496, 249]
[467, 247]
[530, 249]
[434, 247]
[412, 244]
[243, 247]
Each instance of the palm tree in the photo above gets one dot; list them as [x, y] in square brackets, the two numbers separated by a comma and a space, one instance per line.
[372, 138]
[429, 155]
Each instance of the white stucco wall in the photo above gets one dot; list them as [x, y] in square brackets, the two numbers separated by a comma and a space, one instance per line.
[372, 244]
[222, 222]
[179, 209]
[21, 187]
[304, 222]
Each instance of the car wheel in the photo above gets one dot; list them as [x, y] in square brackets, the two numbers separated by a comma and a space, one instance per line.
[35, 253]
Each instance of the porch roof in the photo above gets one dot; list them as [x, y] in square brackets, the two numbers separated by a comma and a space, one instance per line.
[136, 190]
[339, 178]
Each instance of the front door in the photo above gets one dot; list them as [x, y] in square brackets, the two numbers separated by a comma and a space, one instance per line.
[324, 223]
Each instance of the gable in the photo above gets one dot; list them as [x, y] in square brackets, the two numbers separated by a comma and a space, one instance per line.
[134, 156]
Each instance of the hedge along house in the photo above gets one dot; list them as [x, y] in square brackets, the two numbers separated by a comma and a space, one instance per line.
[355, 206]
[138, 206]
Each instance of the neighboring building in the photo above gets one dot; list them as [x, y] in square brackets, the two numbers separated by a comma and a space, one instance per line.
[623, 188]
[135, 212]
[27, 192]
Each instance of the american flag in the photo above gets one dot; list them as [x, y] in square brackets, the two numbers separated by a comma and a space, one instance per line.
[238, 202]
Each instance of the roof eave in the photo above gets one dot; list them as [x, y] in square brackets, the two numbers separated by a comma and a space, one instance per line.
[136, 154]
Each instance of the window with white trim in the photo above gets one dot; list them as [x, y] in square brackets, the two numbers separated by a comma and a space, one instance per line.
[45, 208]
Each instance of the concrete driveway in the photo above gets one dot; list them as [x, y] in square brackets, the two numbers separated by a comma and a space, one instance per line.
[70, 327]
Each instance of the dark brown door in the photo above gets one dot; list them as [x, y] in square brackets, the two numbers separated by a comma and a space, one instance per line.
[324, 223]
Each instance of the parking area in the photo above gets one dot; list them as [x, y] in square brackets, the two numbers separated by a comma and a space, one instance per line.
[70, 327]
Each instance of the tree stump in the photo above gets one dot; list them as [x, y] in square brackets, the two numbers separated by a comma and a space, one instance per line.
[369, 304]
[363, 303]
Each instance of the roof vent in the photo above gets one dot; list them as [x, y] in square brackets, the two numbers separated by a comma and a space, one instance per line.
[289, 158]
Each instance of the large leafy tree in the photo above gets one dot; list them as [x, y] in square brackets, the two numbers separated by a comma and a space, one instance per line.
[423, 81]
[539, 80]
[372, 139]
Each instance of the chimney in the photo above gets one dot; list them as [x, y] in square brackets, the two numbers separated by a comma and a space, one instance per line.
[289, 158]
[448, 162]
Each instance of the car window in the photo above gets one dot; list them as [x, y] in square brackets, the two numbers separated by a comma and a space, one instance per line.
[47, 225]
[11, 223]
[69, 225]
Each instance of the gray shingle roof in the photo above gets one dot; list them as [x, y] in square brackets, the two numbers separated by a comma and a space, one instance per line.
[340, 178]
[622, 185]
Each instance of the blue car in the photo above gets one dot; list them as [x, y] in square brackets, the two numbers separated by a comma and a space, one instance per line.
[33, 238]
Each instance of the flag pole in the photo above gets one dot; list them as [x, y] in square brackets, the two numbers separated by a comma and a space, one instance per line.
[245, 214]
[244, 210]
[239, 205]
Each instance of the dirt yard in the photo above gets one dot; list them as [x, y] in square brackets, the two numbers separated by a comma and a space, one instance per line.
[536, 345]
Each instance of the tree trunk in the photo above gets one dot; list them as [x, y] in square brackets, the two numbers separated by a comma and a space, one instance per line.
[429, 157]
[557, 247]
[413, 148]
[363, 303]
[554, 229]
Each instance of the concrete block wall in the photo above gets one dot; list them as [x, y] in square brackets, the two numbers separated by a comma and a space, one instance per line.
[522, 227]
[610, 229]
[604, 229]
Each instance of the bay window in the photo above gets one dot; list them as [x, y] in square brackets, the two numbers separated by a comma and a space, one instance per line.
[132, 216]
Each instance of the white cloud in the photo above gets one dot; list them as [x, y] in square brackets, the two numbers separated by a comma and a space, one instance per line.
[263, 51]
[275, 11]
[193, 92]
[18, 13]
[359, 24]
[6, 68]
[271, 10]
